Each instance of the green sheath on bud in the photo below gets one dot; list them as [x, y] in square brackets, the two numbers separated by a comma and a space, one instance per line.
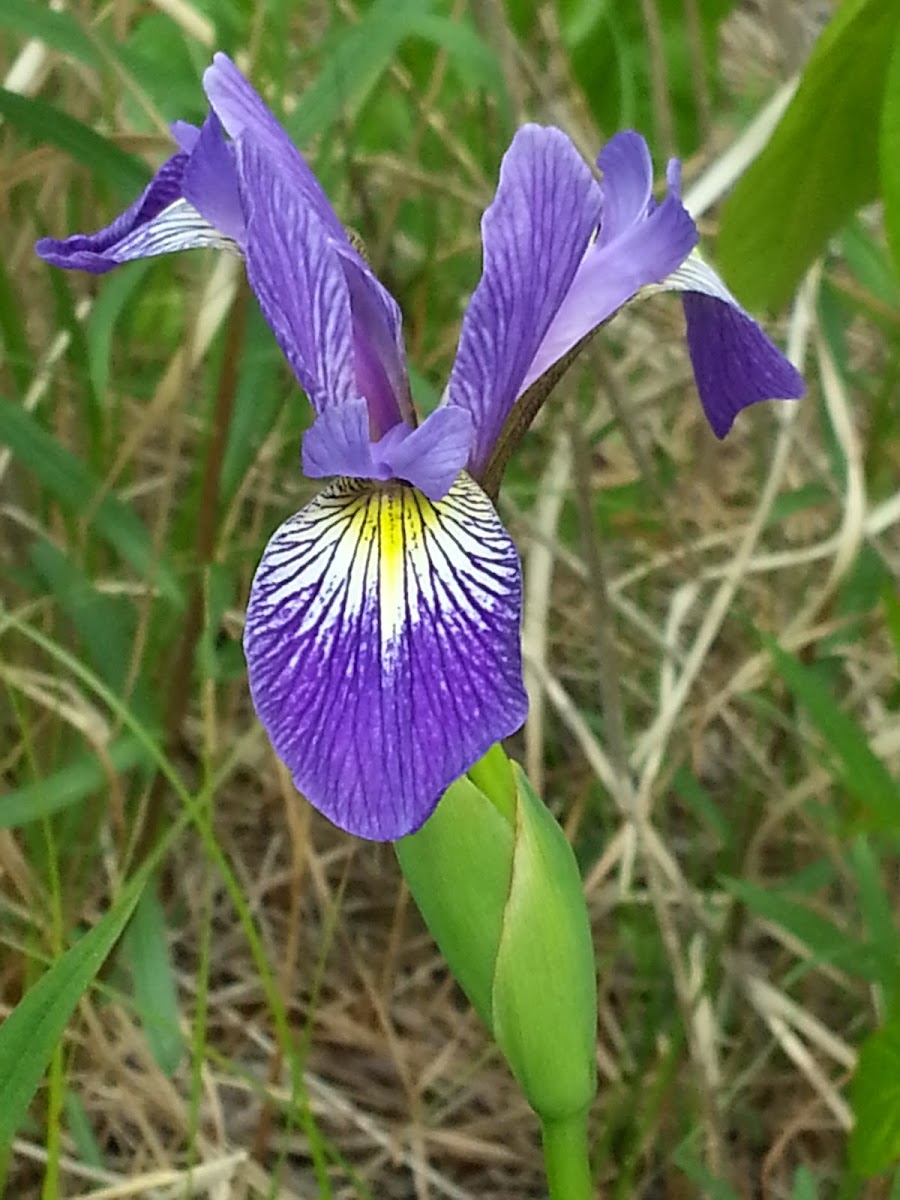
[499, 888]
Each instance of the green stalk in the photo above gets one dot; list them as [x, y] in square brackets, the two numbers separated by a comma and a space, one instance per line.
[566, 1158]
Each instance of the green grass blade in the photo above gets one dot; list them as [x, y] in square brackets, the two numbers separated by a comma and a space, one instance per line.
[855, 765]
[145, 948]
[75, 489]
[33, 1029]
[80, 778]
[42, 122]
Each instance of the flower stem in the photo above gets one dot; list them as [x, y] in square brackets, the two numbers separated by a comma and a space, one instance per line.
[566, 1158]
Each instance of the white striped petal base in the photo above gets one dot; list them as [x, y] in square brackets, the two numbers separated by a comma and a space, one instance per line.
[383, 646]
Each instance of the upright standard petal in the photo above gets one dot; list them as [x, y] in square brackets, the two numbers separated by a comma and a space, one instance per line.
[535, 235]
[383, 647]
[735, 363]
[640, 242]
[245, 114]
[296, 275]
[179, 210]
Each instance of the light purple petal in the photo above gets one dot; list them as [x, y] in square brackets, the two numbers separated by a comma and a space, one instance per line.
[535, 234]
[378, 344]
[296, 275]
[627, 183]
[210, 181]
[431, 456]
[383, 648]
[735, 362]
[612, 273]
[185, 134]
[243, 112]
[103, 250]
[191, 202]
[339, 443]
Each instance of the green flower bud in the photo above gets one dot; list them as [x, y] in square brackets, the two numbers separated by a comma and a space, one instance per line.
[499, 888]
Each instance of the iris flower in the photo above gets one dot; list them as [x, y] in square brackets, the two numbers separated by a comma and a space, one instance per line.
[382, 633]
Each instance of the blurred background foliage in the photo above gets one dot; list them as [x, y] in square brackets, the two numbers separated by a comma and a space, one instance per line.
[223, 996]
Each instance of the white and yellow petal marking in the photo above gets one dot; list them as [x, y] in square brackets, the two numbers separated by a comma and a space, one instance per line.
[383, 646]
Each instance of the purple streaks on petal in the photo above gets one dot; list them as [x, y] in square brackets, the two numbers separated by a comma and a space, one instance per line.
[735, 363]
[244, 113]
[192, 201]
[535, 234]
[383, 648]
[101, 251]
[295, 273]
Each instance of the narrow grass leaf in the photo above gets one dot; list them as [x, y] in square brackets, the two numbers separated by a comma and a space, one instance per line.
[16, 350]
[825, 146]
[112, 298]
[44, 123]
[36, 19]
[889, 150]
[354, 66]
[855, 765]
[875, 1099]
[82, 1132]
[33, 1029]
[145, 948]
[877, 909]
[71, 784]
[825, 941]
[76, 491]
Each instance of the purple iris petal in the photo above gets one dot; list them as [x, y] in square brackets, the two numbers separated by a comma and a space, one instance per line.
[627, 183]
[429, 457]
[378, 343]
[174, 212]
[383, 647]
[245, 115]
[210, 181]
[640, 242]
[735, 363]
[337, 330]
[535, 234]
[338, 443]
[298, 281]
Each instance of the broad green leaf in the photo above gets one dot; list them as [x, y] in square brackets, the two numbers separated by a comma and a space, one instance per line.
[890, 151]
[145, 948]
[875, 1099]
[76, 491]
[33, 1029]
[44, 123]
[853, 762]
[821, 163]
[69, 785]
